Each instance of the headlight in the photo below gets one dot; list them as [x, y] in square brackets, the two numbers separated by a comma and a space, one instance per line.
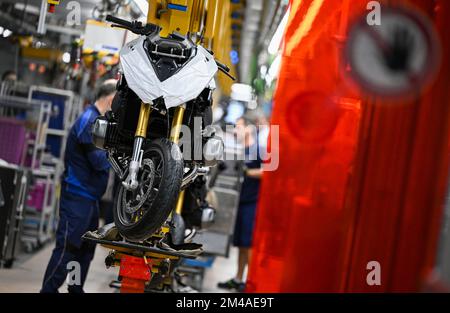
[99, 132]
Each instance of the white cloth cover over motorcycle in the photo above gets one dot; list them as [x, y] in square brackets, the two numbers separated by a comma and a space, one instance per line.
[185, 85]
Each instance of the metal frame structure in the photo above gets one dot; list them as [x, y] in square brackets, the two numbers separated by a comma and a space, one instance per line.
[69, 115]
[188, 17]
[42, 120]
[52, 174]
[139, 264]
[209, 21]
[14, 223]
[45, 219]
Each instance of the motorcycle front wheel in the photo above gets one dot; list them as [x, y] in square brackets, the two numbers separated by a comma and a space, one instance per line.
[139, 213]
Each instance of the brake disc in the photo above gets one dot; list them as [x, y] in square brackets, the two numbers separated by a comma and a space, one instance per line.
[147, 177]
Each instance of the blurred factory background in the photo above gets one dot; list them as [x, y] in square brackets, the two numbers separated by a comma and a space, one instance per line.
[354, 196]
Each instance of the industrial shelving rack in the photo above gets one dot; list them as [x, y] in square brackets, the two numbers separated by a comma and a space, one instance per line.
[13, 188]
[71, 111]
[40, 226]
[39, 223]
[40, 112]
[37, 114]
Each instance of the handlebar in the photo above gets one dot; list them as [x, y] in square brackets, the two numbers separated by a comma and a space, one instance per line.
[139, 29]
[119, 21]
[223, 66]
[135, 26]
[225, 69]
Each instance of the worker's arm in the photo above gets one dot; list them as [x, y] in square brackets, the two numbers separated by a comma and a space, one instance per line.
[254, 169]
[96, 157]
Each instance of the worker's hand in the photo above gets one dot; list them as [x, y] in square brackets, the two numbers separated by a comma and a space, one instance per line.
[253, 172]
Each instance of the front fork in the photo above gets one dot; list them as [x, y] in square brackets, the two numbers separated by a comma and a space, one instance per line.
[175, 138]
[131, 182]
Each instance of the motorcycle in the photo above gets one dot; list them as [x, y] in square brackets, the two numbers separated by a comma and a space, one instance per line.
[166, 82]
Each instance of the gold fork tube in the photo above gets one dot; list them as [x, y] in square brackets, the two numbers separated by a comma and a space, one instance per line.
[175, 138]
[144, 116]
[176, 125]
[180, 202]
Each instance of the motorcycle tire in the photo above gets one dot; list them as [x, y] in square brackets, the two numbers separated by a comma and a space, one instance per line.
[165, 199]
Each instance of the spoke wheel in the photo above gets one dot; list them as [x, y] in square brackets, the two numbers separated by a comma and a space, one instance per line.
[139, 213]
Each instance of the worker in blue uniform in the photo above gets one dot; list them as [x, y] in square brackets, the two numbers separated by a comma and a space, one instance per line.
[245, 219]
[84, 182]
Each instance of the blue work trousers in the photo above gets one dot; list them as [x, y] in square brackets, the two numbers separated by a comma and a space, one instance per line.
[77, 215]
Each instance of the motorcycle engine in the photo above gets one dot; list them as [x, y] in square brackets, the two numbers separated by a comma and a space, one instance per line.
[104, 133]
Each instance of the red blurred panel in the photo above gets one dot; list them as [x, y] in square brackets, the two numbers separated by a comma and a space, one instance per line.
[402, 171]
[360, 179]
[429, 179]
[301, 224]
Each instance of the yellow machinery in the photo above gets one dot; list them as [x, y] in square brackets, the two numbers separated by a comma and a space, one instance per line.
[207, 22]
[52, 5]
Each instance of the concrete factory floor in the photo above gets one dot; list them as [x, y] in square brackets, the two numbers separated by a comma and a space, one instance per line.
[27, 273]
